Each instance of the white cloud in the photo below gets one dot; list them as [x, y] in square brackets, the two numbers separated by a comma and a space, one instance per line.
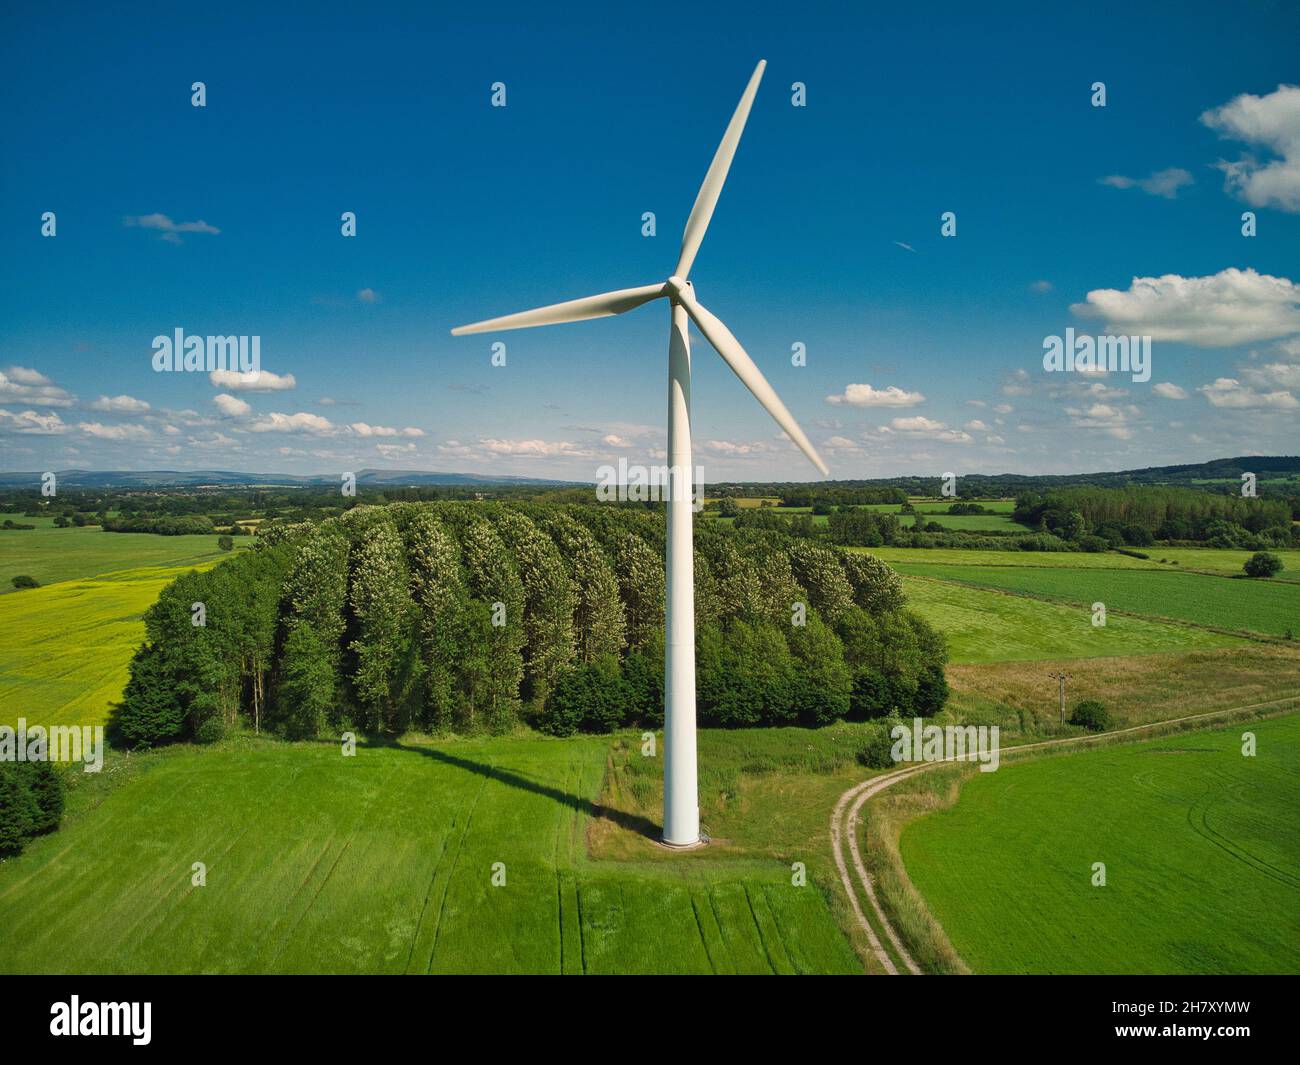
[535, 448]
[29, 421]
[120, 404]
[1273, 375]
[368, 295]
[919, 425]
[170, 230]
[231, 406]
[363, 429]
[390, 451]
[1270, 123]
[1107, 417]
[1016, 383]
[1040, 286]
[1220, 310]
[976, 426]
[1229, 392]
[866, 396]
[21, 384]
[1164, 183]
[253, 381]
[115, 432]
[731, 447]
[302, 422]
[1168, 390]
[841, 443]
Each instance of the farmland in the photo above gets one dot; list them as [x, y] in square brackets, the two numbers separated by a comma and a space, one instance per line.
[1272, 608]
[383, 862]
[64, 648]
[51, 554]
[1201, 859]
[984, 626]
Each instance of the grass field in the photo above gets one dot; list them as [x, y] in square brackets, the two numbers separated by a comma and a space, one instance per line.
[384, 863]
[1208, 560]
[983, 626]
[51, 554]
[1268, 607]
[64, 648]
[1200, 847]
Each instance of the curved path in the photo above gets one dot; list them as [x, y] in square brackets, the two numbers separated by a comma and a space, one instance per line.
[844, 826]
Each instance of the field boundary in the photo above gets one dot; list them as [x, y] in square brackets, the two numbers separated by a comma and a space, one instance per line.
[846, 816]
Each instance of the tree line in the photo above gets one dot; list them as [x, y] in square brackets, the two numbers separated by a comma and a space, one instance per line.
[478, 616]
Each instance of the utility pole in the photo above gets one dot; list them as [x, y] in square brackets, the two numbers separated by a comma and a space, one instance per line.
[1062, 678]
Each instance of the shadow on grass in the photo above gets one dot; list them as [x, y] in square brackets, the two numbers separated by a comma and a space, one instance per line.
[642, 826]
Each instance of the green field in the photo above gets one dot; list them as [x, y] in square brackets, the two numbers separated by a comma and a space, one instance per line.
[983, 626]
[1206, 559]
[383, 862]
[51, 554]
[1200, 845]
[64, 648]
[1243, 605]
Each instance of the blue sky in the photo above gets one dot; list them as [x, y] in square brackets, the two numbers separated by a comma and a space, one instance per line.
[828, 233]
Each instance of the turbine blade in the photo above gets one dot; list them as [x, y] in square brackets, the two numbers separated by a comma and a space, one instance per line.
[707, 198]
[738, 359]
[601, 306]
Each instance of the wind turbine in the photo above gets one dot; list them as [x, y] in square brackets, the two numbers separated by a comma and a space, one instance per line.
[681, 791]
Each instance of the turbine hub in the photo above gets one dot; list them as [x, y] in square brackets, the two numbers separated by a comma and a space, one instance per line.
[678, 286]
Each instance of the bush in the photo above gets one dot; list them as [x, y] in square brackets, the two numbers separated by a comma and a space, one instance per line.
[1262, 564]
[24, 581]
[225, 543]
[210, 729]
[19, 812]
[46, 784]
[1091, 715]
[877, 751]
[1094, 543]
[593, 697]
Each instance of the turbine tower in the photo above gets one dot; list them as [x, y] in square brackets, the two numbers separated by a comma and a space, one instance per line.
[681, 791]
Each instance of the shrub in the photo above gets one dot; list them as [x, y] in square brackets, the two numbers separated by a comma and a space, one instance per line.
[225, 543]
[1262, 564]
[24, 581]
[1093, 543]
[19, 812]
[592, 696]
[210, 729]
[877, 751]
[45, 782]
[1091, 715]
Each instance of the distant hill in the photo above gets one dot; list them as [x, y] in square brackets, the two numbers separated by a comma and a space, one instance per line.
[229, 479]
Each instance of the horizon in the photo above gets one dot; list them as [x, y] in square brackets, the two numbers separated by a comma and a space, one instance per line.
[923, 351]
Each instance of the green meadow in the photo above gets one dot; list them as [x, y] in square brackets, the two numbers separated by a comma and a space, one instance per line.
[984, 626]
[1201, 854]
[1269, 607]
[385, 862]
[51, 554]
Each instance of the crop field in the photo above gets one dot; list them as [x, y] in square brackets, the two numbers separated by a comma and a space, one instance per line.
[1202, 860]
[64, 648]
[51, 554]
[987, 626]
[384, 862]
[1207, 560]
[1243, 605]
